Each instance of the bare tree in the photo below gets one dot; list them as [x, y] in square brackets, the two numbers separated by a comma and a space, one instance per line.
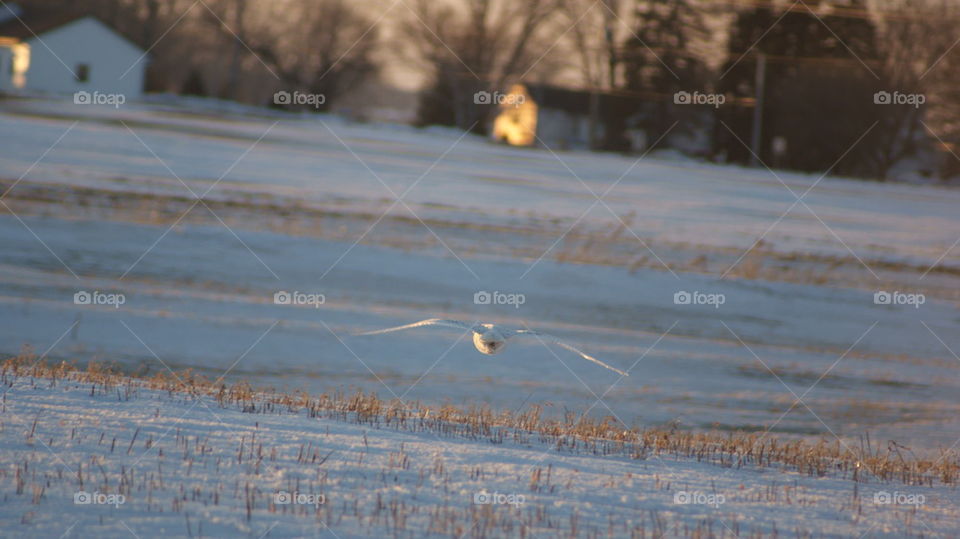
[239, 9]
[324, 47]
[593, 31]
[231, 20]
[321, 47]
[914, 45]
[481, 47]
[938, 65]
[593, 39]
[905, 52]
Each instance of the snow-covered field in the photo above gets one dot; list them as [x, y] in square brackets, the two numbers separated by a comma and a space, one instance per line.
[155, 463]
[603, 250]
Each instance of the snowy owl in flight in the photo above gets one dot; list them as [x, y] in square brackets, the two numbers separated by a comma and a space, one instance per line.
[491, 339]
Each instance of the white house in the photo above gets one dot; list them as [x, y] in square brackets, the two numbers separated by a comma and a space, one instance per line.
[64, 54]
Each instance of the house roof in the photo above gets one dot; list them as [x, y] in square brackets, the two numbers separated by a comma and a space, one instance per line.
[37, 22]
[578, 101]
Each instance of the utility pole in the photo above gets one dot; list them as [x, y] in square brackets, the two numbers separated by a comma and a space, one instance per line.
[231, 91]
[611, 55]
[609, 25]
[608, 30]
[594, 121]
[756, 140]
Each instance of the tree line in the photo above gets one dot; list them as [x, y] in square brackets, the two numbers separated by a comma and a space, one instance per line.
[824, 67]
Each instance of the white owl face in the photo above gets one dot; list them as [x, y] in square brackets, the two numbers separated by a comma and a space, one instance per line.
[487, 343]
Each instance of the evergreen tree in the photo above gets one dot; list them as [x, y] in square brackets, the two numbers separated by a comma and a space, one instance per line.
[659, 59]
[819, 86]
[194, 85]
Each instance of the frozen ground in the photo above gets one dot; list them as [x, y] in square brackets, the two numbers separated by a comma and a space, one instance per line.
[324, 161]
[167, 464]
[201, 300]
[101, 203]
[97, 200]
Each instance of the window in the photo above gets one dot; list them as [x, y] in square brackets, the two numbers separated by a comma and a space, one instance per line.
[83, 72]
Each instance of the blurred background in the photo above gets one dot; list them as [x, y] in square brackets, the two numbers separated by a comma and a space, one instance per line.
[800, 80]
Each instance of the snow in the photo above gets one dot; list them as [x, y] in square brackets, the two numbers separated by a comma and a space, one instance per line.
[187, 462]
[682, 202]
[200, 300]
[299, 203]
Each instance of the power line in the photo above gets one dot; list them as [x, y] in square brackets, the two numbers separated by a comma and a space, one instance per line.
[832, 11]
[786, 58]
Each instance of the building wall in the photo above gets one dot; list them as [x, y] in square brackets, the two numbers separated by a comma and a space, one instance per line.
[561, 130]
[6, 68]
[85, 42]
